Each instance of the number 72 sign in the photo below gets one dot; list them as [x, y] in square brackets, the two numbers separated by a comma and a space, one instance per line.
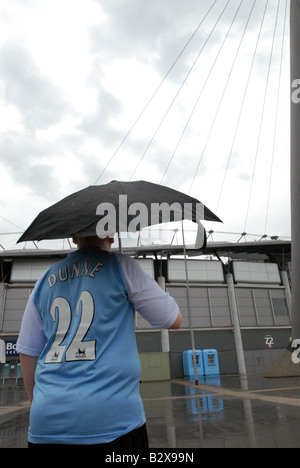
[269, 341]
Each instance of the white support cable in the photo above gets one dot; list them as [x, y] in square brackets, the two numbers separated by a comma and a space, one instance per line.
[155, 92]
[262, 116]
[177, 93]
[11, 233]
[12, 223]
[240, 114]
[238, 123]
[276, 114]
[241, 108]
[198, 99]
[222, 97]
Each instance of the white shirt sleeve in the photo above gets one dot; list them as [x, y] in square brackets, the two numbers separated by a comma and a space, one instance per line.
[148, 299]
[32, 339]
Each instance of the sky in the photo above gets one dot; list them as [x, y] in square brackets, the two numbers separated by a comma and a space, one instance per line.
[192, 94]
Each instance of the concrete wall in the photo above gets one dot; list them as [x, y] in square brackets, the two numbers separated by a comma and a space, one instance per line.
[258, 356]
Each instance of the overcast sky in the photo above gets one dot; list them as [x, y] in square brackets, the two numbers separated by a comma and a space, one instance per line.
[76, 74]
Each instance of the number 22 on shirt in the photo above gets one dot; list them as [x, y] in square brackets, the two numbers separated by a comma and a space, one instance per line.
[78, 349]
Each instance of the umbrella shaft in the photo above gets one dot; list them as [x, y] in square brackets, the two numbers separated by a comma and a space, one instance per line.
[120, 242]
[189, 308]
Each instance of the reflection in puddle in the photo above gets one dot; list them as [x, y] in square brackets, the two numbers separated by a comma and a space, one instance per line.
[209, 406]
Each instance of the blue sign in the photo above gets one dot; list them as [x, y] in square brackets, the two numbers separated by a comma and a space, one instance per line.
[10, 348]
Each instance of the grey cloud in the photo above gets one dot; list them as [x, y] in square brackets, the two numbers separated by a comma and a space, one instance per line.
[92, 169]
[97, 124]
[148, 30]
[131, 27]
[27, 161]
[39, 102]
[156, 31]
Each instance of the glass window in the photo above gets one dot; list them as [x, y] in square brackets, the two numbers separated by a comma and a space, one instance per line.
[279, 306]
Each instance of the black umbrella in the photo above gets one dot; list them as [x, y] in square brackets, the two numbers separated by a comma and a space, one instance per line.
[130, 205]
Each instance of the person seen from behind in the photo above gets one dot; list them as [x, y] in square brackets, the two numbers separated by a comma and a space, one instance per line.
[78, 351]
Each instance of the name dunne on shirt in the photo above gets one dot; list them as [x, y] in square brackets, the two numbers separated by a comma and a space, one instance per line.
[77, 270]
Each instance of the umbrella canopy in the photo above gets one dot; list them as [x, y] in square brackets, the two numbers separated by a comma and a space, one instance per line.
[129, 205]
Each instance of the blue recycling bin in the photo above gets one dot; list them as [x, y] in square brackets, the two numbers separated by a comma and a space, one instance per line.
[210, 362]
[6, 370]
[196, 405]
[18, 370]
[188, 363]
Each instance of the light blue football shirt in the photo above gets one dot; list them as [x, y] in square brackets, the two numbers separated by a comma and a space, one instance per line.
[80, 322]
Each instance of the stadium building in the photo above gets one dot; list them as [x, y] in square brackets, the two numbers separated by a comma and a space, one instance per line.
[240, 289]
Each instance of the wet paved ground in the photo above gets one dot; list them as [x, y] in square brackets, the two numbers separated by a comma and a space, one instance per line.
[225, 412]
